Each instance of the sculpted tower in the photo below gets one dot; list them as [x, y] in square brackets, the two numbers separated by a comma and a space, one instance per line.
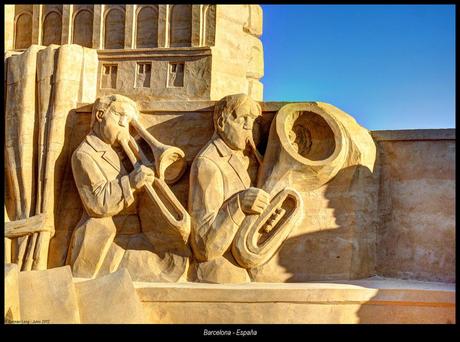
[154, 52]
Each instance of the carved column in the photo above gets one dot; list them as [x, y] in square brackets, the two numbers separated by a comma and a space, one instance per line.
[163, 25]
[37, 24]
[196, 24]
[130, 17]
[9, 27]
[67, 14]
[203, 23]
[98, 26]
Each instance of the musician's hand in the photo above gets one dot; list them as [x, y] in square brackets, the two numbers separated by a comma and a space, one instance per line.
[141, 176]
[254, 200]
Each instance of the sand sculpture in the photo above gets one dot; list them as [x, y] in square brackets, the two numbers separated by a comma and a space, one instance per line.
[142, 163]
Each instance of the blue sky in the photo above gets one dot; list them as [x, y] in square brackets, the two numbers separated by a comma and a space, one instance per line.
[389, 66]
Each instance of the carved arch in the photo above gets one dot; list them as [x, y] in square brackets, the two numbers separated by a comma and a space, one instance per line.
[114, 28]
[52, 28]
[147, 26]
[23, 30]
[180, 23]
[83, 28]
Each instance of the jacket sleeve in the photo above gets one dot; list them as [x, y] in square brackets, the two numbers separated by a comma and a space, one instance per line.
[101, 197]
[215, 220]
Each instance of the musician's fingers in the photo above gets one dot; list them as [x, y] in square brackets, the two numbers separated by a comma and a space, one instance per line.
[261, 206]
[263, 199]
[264, 194]
[259, 210]
[253, 191]
[149, 178]
[256, 210]
[145, 169]
[45, 228]
[148, 172]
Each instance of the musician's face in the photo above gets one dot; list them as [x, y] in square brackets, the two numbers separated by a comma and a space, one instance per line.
[115, 122]
[237, 128]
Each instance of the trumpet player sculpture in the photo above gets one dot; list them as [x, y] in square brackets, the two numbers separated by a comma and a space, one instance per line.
[107, 189]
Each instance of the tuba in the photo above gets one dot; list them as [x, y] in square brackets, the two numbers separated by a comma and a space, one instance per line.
[170, 165]
[306, 148]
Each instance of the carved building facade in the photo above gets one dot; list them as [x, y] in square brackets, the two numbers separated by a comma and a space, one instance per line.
[159, 52]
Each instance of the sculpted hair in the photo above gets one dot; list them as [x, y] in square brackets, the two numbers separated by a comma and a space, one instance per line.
[227, 105]
[103, 104]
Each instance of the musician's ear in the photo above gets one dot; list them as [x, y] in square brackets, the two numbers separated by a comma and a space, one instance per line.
[99, 115]
[220, 123]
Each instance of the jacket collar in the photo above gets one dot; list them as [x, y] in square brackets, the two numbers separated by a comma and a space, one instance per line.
[104, 150]
[221, 146]
[97, 143]
[233, 160]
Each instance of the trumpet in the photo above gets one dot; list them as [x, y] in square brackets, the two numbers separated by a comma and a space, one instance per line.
[170, 165]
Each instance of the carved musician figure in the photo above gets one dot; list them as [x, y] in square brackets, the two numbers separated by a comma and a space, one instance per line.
[104, 185]
[221, 194]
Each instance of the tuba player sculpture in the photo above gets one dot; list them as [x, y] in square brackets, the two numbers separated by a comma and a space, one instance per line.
[221, 193]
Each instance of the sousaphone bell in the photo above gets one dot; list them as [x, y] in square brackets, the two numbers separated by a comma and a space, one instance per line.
[306, 148]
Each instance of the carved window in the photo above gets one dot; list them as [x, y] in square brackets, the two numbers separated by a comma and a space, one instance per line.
[114, 29]
[147, 27]
[52, 28]
[23, 32]
[176, 75]
[181, 26]
[144, 71]
[83, 28]
[109, 76]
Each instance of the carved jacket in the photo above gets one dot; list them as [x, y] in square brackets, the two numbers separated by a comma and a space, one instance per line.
[101, 179]
[216, 176]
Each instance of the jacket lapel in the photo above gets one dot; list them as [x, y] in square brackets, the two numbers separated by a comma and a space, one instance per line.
[233, 161]
[112, 158]
[242, 173]
[104, 150]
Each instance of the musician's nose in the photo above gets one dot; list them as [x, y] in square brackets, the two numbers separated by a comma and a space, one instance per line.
[248, 123]
[123, 121]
